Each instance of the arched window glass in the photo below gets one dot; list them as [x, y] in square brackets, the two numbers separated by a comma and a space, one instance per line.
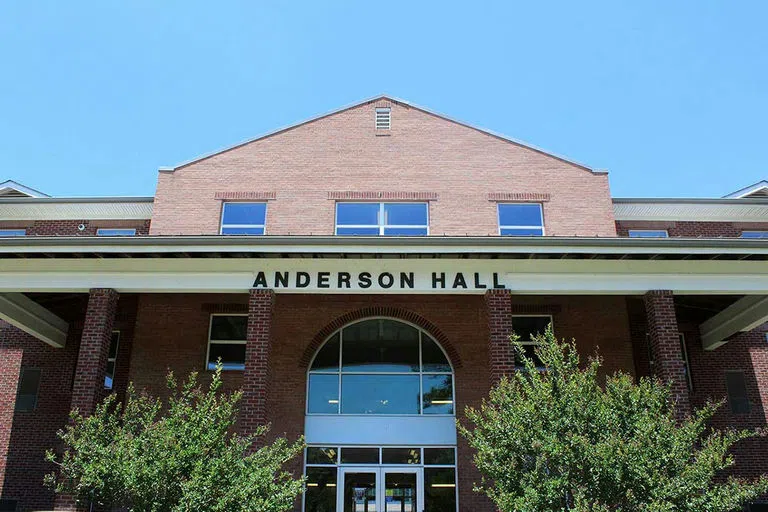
[380, 366]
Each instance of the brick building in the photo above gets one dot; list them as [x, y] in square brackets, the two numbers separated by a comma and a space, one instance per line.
[358, 274]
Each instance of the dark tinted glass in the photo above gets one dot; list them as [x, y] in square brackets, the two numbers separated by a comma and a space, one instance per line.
[242, 231]
[323, 394]
[359, 455]
[229, 327]
[526, 326]
[327, 359]
[438, 394]
[439, 489]
[736, 385]
[379, 394]
[381, 346]
[405, 214]
[400, 492]
[357, 214]
[113, 344]
[359, 492]
[439, 456]
[400, 456]
[29, 385]
[520, 215]
[432, 357]
[321, 490]
[244, 213]
[232, 356]
[317, 455]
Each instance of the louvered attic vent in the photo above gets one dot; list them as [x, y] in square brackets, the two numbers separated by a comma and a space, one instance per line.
[383, 118]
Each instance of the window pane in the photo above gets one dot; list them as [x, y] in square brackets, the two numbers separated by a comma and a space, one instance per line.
[754, 234]
[321, 490]
[432, 357]
[29, 385]
[736, 386]
[405, 231]
[438, 394]
[229, 327]
[400, 456]
[381, 346]
[115, 232]
[359, 455]
[244, 213]
[321, 455]
[439, 456]
[328, 357]
[360, 492]
[647, 233]
[522, 231]
[380, 394]
[405, 214]
[13, 232]
[357, 214]
[358, 231]
[242, 231]
[323, 394]
[439, 489]
[400, 492]
[520, 215]
[232, 356]
[110, 375]
[527, 326]
[113, 344]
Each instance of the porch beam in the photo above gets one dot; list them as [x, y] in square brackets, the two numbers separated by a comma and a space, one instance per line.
[29, 316]
[743, 315]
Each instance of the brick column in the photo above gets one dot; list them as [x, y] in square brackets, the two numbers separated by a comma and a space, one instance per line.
[257, 349]
[501, 353]
[88, 388]
[665, 346]
[10, 370]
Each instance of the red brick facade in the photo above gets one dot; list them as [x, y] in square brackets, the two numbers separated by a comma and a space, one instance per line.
[693, 229]
[256, 376]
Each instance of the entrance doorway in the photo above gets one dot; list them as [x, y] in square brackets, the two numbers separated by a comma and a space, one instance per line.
[377, 489]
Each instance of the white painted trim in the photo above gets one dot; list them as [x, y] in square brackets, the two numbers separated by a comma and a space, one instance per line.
[692, 211]
[32, 318]
[74, 209]
[743, 315]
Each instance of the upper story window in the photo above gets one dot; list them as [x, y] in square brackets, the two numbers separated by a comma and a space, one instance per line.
[12, 232]
[521, 219]
[243, 218]
[389, 219]
[648, 233]
[115, 232]
[383, 118]
[380, 366]
[227, 337]
[754, 234]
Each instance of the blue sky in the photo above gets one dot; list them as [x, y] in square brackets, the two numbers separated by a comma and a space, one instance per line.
[670, 97]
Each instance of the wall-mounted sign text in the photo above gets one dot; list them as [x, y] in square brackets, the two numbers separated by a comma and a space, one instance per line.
[382, 280]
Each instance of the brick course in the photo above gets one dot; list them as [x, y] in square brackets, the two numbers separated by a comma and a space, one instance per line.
[693, 229]
[257, 350]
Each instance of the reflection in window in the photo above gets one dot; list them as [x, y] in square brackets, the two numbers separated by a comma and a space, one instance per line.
[380, 366]
[439, 489]
[243, 218]
[521, 219]
[389, 219]
[321, 490]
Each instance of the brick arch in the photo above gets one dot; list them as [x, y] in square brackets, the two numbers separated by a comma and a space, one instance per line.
[380, 311]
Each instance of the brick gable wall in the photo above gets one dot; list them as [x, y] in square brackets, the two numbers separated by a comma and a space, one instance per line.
[422, 155]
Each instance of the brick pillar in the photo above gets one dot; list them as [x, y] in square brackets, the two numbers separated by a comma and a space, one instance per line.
[88, 387]
[10, 370]
[665, 346]
[256, 375]
[501, 353]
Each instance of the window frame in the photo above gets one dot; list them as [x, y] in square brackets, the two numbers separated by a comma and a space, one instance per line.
[380, 217]
[37, 390]
[528, 342]
[631, 231]
[340, 373]
[222, 225]
[13, 232]
[116, 232]
[112, 360]
[503, 227]
[223, 342]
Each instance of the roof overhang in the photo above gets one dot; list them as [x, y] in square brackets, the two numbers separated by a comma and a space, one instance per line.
[694, 210]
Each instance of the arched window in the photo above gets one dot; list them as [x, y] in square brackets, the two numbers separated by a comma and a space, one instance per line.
[380, 366]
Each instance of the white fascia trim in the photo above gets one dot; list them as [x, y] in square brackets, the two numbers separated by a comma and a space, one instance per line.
[743, 315]
[704, 211]
[75, 210]
[32, 318]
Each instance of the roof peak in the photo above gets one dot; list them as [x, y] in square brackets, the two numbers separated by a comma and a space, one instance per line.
[10, 188]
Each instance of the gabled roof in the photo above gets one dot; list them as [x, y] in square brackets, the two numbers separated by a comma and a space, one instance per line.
[756, 190]
[11, 188]
[393, 100]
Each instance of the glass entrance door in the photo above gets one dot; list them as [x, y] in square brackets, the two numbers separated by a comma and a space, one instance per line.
[366, 489]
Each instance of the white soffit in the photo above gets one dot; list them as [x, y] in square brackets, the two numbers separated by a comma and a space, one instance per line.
[73, 209]
[719, 211]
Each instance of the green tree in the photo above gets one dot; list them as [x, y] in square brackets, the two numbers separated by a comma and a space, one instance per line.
[176, 455]
[558, 440]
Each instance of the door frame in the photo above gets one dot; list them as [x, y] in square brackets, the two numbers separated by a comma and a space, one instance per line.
[380, 473]
[416, 470]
